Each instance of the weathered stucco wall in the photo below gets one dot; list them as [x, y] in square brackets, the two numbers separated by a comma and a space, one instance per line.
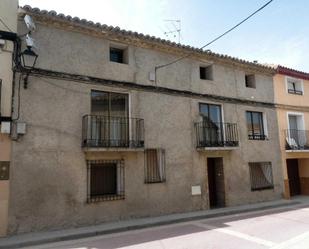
[49, 167]
[292, 104]
[8, 13]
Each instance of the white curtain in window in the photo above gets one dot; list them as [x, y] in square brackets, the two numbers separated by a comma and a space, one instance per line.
[115, 131]
[161, 163]
[93, 131]
[119, 180]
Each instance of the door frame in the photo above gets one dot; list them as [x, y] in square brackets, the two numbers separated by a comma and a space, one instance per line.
[288, 176]
[223, 180]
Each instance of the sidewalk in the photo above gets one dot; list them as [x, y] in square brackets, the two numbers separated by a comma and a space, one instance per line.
[32, 239]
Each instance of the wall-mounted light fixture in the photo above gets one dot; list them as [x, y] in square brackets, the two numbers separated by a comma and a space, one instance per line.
[28, 57]
[28, 60]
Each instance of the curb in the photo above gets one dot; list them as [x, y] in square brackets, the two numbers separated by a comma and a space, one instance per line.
[84, 234]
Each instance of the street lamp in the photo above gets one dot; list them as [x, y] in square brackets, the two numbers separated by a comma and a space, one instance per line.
[28, 60]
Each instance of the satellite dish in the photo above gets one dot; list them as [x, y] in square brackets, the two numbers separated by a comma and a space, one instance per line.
[29, 22]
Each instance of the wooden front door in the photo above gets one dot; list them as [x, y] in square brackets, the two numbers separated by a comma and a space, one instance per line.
[216, 182]
[293, 176]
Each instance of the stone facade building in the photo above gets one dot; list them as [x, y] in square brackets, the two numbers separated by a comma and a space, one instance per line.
[111, 135]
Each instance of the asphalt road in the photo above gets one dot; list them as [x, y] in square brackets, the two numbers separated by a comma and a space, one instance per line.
[275, 228]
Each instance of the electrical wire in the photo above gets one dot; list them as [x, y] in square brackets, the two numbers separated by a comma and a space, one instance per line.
[4, 24]
[217, 38]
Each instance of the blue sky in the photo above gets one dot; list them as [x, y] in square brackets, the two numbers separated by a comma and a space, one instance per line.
[279, 34]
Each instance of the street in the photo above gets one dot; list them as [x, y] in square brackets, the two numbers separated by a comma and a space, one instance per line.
[275, 228]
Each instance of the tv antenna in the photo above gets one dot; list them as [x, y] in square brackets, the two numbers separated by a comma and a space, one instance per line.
[176, 29]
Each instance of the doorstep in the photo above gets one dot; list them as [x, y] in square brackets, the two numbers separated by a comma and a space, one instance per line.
[32, 239]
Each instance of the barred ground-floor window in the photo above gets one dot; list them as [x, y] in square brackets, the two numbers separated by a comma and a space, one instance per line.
[261, 175]
[105, 180]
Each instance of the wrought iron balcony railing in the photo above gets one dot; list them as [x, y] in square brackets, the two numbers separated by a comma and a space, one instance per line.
[112, 132]
[211, 134]
[297, 139]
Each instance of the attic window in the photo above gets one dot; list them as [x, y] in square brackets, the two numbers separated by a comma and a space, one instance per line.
[118, 55]
[294, 86]
[250, 80]
[206, 73]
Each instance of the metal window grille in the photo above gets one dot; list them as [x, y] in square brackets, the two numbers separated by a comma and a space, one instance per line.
[105, 180]
[154, 165]
[116, 55]
[261, 175]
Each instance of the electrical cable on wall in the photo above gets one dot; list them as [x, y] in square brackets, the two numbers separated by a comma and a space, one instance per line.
[212, 41]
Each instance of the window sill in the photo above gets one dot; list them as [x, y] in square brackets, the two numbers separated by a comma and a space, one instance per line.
[121, 63]
[153, 182]
[258, 138]
[262, 188]
[105, 198]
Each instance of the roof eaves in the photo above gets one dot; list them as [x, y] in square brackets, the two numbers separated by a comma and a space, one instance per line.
[118, 31]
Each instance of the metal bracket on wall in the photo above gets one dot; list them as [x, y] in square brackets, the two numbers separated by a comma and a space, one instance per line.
[5, 35]
[5, 119]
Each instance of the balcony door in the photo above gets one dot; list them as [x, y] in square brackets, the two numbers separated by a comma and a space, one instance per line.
[296, 132]
[212, 124]
[110, 119]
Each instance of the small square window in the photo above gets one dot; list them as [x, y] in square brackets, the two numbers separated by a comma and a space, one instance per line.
[261, 176]
[154, 165]
[116, 55]
[206, 73]
[250, 80]
[294, 86]
[105, 180]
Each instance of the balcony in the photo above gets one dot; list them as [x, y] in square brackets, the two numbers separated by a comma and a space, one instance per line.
[216, 136]
[112, 133]
[297, 139]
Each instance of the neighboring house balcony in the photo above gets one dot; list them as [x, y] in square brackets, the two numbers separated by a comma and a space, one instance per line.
[107, 133]
[297, 140]
[216, 136]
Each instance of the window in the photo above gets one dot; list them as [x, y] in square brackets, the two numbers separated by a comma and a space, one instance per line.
[255, 125]
[294, 86]
[154, 165]
[250, 80]
[261, 176]
[105, 180]
[108, 125]
[206, 73]
[117, 55]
